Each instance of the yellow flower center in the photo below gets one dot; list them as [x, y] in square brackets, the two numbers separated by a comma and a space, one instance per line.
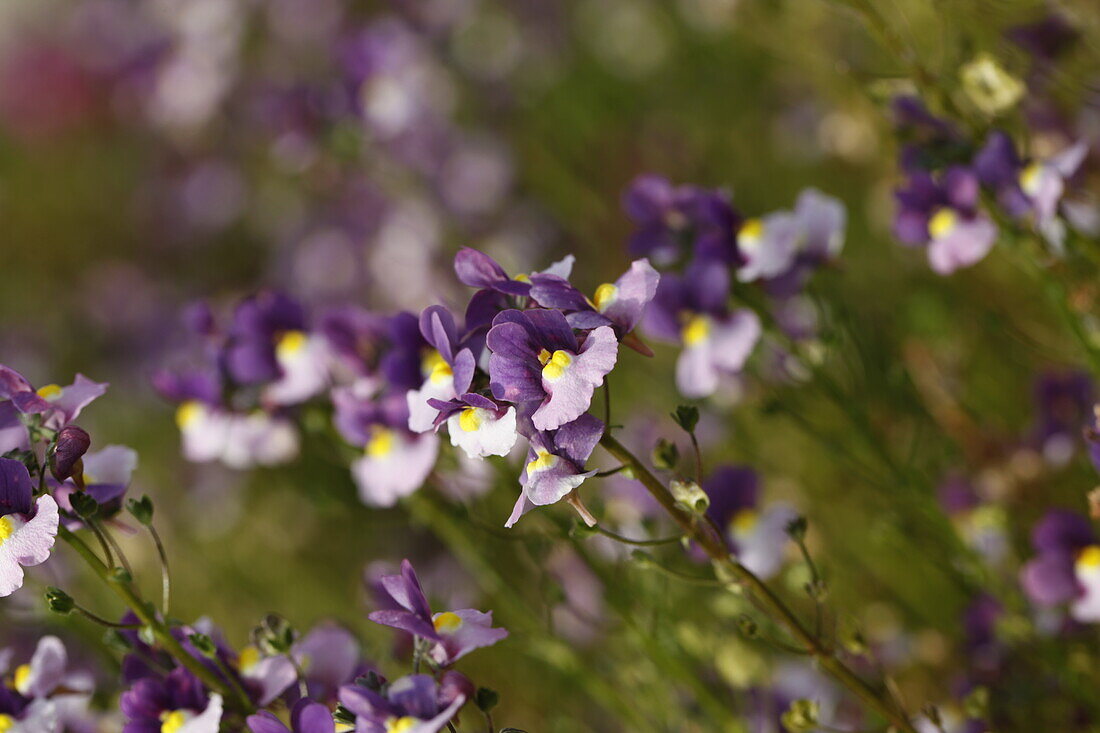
[381, 443]
[172, 721]
[22, 679]
[290, 344]
[344, 728]
[447, 623]
[49, 392]
[522, 278]
[249, 658]
[605, 295]
[543, 460]
[435, 368]
[400, 725]
[470, 419]
[744, 521]
[696, 330]
[749, 234]
[188, 413]
[1089, 558]
[555, 366]
[6, 722]
[942, 222]
[7, 529]
[1030, 177]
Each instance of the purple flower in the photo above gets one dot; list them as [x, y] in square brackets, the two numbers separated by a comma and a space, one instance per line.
[56, 406]
[1067, 565]
[448, 368]
[942, 214]
[537, 358]
[178, 703]
[239, 440]
[1063, 403]
[413, 704]
[692, 311]
[306, 717]
[620, 304]
[44, 696]
[259, 322]
[555, 463]
[757, 536]
[329, 655]
[670, 219]
[477, 424]
[27, 530]
[395, 460]
[455, 633]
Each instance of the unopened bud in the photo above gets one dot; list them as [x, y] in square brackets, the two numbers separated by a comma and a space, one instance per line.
[59, 601]
[796, 528]
[690, 495]
[687, 417]
[665, 455]
[274, 635]
[992, 89]
[65, 459]
[142, 509]
[748, 626]
[204, 644]
[801, 716]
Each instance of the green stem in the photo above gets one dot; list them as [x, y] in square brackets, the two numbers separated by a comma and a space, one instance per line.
[641, 543]
[162, 633]
[165, 575]
[711, 542]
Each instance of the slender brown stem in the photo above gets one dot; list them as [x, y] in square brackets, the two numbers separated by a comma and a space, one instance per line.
[708, 538]
[162, 633]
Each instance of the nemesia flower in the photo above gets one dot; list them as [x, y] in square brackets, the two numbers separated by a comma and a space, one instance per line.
[259, 323]
[477, 424]
[691, 310]
[1063, 402]
[942, 213]
[620, 304]
[395, 460]
[537, 358]
[410, 704]
[178, 703]
[455, 633]
[239, 440]
[758, 537]
[479, 270]
[1033, 189]
[448, 369]
[57, 406]
[671, 219]
[44, 696]
[329, 656]
[27, 527]
[1067, 566]
[307, 716]
[264, 678]
[555, 463]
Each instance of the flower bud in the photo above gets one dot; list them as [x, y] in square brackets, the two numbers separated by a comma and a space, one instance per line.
[486, 699]
[204, 644]
[665, 455]
[142, 509]
[801, 716]
[59, 601]
[690, 495]
[65, 459]
[989, 87]
[687, 417]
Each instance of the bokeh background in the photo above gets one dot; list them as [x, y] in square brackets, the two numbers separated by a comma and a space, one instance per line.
[157, 152]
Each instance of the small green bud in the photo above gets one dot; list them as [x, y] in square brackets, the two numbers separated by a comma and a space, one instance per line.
[748, 626]
[665, 455]
[486, 699]
[976, 704]
[989, 87]
[59, 601]
[274, 635]
[204, 644]
[84, 505]
[690, 495]
[801, 716]
[796, 528]
[120, 575]
[687, 417]
[142, 509]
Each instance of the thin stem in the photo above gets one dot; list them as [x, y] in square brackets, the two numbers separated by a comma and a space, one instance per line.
[640, 543]
[489, 727]
[165, 575]
[706, 536]
[698, 457]
[677, 575]
[116, 547]
[610, 472]
[110, 560]
[102, 621]
[162, 633]
[303, 688]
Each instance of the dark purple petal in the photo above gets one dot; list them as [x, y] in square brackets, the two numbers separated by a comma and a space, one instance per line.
[1062, 530]
[265, 722]
[437, 325]
[477, 269]
[16, 489]
[648, 198]
[961, 188]
[312, 717]
[997, 163]
[1049, 578]
[731, 489]
[72, 443]
[416, 695]
[550, 330]
[576, 440]
[551, 291]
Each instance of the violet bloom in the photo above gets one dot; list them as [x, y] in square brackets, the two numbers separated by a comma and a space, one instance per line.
[942, 214]
[306, 717]
[536, 358]
[784, 248]
[448, 368]
[1033, 188]
[691, 310]
[44, 695]
[329, 655]
[671, 219]
[178, 703]
[27, 527]
[413, 704]
[620, 304]
[106, 477]
[56, 406]
[758, 537]
[455, 633]
[239, 440]
[477, 424]
[1063, 402]
[1067, 566]
[479, 270]
[395, 460]
[555, 464]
